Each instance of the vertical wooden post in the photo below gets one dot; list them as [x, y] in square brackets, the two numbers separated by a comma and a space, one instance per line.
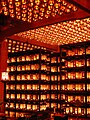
[3, 66]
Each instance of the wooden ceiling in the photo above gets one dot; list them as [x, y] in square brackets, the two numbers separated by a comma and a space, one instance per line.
[35, 16]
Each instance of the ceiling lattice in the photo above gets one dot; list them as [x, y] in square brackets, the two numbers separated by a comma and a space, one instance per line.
[60, 33]
[55, 22]
[16, 46]
[33, 10]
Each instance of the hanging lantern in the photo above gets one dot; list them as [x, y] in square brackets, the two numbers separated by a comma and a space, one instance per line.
[5, 76]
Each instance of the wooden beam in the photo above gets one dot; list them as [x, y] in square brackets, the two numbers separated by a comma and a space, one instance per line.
[82, 4]
[3, 66]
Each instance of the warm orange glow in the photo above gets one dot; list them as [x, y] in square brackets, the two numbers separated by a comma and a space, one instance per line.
[73, 87]
[5, 76]
[12, 96]
[12, 114]
[18, 96]
[53, 105]
[28, 107]
[36, 10]
[61, 33]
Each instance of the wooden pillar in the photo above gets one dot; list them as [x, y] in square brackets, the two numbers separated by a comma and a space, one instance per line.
[3, 66]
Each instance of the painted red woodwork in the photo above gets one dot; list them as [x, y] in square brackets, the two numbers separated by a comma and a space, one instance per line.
[84, 3]
[3, 66]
